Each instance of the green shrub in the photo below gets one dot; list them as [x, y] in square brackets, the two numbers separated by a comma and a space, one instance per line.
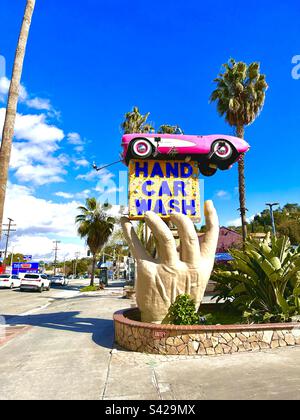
[91, 289]
[264, 282]
[183, 312]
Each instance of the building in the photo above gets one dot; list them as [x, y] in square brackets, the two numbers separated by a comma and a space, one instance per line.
[228, 239]
[258, 236]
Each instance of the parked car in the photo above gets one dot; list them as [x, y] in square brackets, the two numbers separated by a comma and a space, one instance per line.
[38, 282]
[212, 152]
[9, 281]
[59, 280]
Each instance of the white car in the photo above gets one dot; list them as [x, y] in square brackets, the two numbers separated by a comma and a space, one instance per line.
[38, 282]
[59, 280]
[9, 281]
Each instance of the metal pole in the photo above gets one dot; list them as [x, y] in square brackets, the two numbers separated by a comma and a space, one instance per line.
[77, 254]
[55, 258]
[273, 221]
[271, 205]
[9, 230]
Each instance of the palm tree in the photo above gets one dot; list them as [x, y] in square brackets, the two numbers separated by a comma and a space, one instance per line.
[240, 96]
[96, 227]
[135, 122]
[12, 102]
[169, 129]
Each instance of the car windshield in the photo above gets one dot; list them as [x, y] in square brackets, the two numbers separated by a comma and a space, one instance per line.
[31, 276]
[4, 276]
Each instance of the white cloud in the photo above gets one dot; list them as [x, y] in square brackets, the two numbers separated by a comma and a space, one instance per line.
[223, 194]
[74, 138]
[41, 248]
[24, 97]
[4, 87]
[40, 174]
[90, 176]
[33, 150]
[39, 103]
[34, 128]
[68, 196]
[237, 222]
[61, 194]
[41, 221]
[37, 216]
[82, 163]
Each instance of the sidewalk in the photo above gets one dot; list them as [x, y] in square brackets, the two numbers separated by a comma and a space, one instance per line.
[68, 353]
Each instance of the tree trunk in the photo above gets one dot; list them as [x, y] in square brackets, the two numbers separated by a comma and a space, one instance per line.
[12, 102]
[242, 187]
[93, 270]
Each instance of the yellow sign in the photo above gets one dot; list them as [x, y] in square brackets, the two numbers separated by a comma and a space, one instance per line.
[164, 187]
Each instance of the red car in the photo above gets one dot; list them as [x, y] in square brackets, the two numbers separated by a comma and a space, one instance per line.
[212, 152]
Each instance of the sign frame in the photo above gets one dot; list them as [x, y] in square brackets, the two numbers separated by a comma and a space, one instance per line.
[165, 187]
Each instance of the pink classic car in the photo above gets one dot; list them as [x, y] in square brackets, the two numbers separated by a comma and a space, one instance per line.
[212, 152]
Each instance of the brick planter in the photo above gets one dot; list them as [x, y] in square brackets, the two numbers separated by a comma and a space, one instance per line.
[209, 340]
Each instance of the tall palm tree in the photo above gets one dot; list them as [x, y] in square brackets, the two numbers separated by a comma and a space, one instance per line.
[170, 129]
[11, 110]
[240, 96]
[135, 122]
[96, 227]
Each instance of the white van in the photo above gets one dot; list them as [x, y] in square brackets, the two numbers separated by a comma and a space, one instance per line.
[38, 282]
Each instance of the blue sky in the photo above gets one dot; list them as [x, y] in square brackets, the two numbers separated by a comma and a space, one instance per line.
[96, 59]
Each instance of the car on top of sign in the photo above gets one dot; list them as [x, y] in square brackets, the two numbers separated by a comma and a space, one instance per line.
[212, 152]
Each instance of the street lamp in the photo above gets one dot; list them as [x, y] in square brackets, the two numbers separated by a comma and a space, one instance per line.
[271, 205]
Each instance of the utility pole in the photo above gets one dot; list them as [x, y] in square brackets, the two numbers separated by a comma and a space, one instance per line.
[77, 255]
[56, 243]
[9, 229]
[114, 261]
[271, 205]
[65, 265]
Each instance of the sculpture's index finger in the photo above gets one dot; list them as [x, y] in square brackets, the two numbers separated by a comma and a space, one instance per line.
[137, 249]
[210, 242]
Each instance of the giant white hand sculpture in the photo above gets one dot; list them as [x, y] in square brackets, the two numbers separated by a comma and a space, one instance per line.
[161, 280]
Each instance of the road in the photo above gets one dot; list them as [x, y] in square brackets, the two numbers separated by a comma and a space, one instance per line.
[14, 302]
[61, 348]
[66, 351]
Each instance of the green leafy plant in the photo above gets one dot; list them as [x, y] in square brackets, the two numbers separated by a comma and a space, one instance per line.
[92, 289]
[264, 281]
[183, 312]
